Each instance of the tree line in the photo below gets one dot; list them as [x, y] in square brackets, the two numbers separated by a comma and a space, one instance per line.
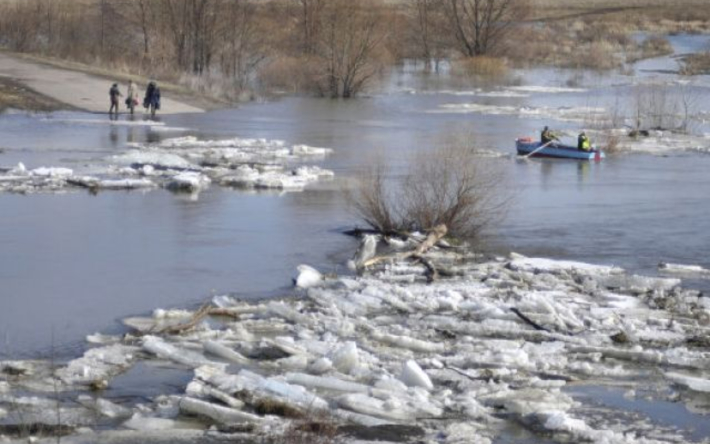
[333, 48]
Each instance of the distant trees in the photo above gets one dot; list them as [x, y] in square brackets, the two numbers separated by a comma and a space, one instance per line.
[349, 47]
[469, 28]
[339, 47]
[311, 14]
[334, 48]
[427, 30]
[480, 27]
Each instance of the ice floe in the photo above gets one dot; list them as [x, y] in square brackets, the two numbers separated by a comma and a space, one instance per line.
[509, 91]
[493, 343]
[563, 113]
[183, 164]
[681, 269]
[546, 89]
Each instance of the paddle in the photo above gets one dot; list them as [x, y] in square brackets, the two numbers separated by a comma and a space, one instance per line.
[537, 149]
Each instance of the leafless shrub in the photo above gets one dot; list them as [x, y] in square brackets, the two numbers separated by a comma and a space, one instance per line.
[453, 185]
[607, 128]
[373, 202]
[599, 55]
[663, 107]
[610, 142]
[656, 45]
[350, 51]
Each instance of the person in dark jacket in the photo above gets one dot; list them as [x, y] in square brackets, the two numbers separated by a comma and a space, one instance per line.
[114, 93]
[547, 136]
[152, 98]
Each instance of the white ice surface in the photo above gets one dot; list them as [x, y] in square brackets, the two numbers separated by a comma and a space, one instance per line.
[414, 376]
[98, 364]
[307, 276]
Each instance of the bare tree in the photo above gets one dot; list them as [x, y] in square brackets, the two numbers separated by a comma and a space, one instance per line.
[426, 27]
[242, 48]
[480, 27]
[311, 11]
[350, 46]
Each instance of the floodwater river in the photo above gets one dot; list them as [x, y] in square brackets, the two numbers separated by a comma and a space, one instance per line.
[75, 263]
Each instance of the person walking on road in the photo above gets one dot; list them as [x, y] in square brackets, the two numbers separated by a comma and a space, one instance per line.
[131, 100]
[152, 98]
[114, 93]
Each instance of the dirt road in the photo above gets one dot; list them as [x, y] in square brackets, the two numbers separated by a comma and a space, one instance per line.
[76, 89]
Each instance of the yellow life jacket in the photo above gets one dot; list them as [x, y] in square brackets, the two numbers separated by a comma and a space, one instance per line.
[586, 145]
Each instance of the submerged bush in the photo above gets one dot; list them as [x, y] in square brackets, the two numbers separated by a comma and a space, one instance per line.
[452, 185]
[696, 64]
[483, 66]
[655, 46]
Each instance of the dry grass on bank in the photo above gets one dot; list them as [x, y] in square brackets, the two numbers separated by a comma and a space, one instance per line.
[481, 66]
[632, 11]
[584, 45]
[14, 95]
[696, 64]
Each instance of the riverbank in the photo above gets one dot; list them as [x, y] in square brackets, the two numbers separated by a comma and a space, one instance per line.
[453, 347]
[15, 95]
[82, 87]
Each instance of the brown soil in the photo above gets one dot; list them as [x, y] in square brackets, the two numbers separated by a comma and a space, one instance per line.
[15, 95]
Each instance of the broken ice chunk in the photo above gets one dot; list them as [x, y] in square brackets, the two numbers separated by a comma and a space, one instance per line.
[142, 423]
[345, 358]
[307, 277]
[696, 384]
[224, 352]
[224, 415]
[162, 349]
[414, 376]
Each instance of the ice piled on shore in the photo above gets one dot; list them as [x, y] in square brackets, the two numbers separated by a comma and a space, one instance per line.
[494, 344]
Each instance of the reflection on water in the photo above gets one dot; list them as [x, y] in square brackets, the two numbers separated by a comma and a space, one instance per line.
[75, 263]
[611, 404]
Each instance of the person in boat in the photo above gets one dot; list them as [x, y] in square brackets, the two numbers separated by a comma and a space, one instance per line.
[547, 136]
[583, 143]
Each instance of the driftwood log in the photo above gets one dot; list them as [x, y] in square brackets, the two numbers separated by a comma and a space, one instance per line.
[204, 311]
[529, 321]
[435, 235]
